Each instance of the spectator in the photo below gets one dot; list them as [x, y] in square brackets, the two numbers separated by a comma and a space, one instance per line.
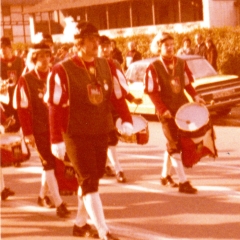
[186, 49]
[133, 54]
[115, 52]
[200, 47]
[211, 52]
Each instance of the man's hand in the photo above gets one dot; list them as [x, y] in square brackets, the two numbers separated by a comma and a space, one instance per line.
[137, 101]
[127, 129]
[30, 140]
[198, 99]
[59, 150]
[167, 114]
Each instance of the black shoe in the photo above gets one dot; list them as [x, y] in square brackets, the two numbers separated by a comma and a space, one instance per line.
[6, 192]
[109, 172]
[168, 181]
[62, 210]
[120, 177]
[85, 231]
[45, 202]
[186, 187]
[109, 237]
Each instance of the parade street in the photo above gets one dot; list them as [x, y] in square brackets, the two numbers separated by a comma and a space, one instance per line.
[141, 208]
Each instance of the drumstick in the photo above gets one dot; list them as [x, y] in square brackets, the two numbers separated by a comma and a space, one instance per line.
[183, 120]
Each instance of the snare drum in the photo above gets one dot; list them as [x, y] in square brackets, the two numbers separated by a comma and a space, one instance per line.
[13, 149]
[140, 130]
[196, 133]
[192, 120]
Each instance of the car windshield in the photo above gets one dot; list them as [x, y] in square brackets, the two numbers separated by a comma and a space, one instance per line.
[200, 68]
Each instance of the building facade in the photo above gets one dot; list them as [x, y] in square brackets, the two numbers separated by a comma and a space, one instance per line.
[21, 20]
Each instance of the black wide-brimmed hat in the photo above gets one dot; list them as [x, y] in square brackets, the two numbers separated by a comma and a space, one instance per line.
[5, 41]
[104, 40]
[38, 47]
[86, 29]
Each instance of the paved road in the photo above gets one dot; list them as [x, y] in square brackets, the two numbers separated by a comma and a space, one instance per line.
[141, 208]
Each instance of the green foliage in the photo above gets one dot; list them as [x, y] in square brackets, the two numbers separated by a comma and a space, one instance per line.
[226, 39]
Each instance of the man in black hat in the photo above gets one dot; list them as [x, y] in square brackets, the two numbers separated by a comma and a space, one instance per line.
[80, 91]
[165, 83]
[11, 69]
[105, 51]
[33, 115]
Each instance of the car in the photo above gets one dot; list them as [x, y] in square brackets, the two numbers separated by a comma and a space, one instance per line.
[221, 92]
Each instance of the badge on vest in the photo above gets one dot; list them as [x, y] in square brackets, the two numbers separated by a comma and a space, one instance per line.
[12, 76]
[175, 85]
[95, 94]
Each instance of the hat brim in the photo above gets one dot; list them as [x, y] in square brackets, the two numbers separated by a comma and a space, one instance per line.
[79, 36]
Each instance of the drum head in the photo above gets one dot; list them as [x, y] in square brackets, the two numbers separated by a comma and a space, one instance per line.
[191, 117]
[139, 123]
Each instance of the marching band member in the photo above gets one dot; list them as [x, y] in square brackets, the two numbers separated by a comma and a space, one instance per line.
[33, 116]
[11, 69]
[165, 81]
[80, 91]
[105, 51]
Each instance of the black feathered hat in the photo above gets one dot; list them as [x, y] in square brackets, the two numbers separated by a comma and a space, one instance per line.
[85, 29]
[5, 41]
[104, 40]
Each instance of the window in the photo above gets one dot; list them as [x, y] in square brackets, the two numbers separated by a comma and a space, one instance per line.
[97, 16]
[142, 13]
[119, 16]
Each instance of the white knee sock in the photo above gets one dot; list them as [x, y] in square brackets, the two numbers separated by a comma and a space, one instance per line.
[2, 180]
[44, 187]
[94, 208]
[112, 155]
[178, 166]
[53, 187]
[167, 165]
[82, 215]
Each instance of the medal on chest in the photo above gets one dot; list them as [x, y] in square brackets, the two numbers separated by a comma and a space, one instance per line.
[9, 64]
[12, 76]
[175, 84]
[105, 85]
[95, 94]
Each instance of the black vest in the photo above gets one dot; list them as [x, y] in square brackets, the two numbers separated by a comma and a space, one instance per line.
[85, 116]
[36, 88]
[172, 97]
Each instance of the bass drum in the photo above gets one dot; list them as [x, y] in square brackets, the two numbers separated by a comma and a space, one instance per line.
[140, 130]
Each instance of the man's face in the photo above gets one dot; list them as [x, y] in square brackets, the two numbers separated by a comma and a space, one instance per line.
[43, 60]
[6, 51]
[167, 48]
[90, 46]
[198, 39]
[187, 44]
[105, 50]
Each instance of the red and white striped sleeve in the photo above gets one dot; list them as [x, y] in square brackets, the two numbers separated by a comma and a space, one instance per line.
[24, 107]
[58, 101]
[153, 89]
